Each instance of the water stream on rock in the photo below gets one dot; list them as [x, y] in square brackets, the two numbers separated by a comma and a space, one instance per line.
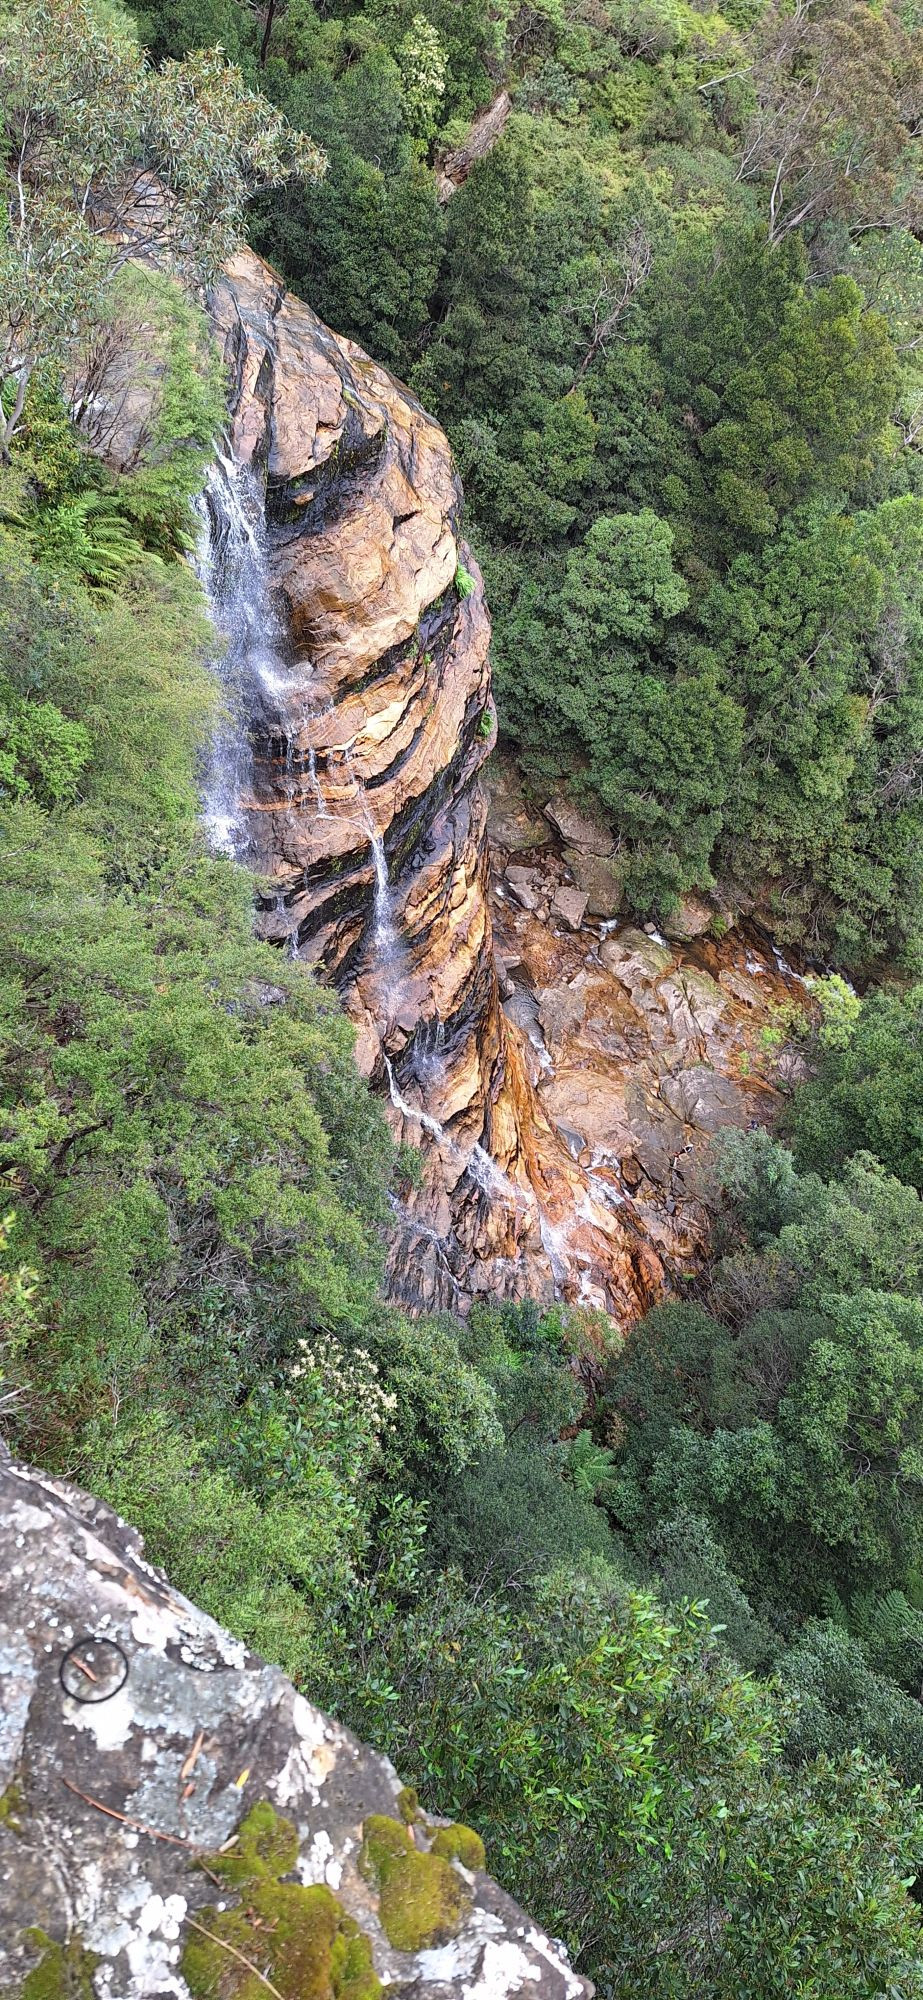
[229, 558]
[255, 677]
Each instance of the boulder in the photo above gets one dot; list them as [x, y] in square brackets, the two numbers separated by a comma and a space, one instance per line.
[580, 829]
[570, 905]
[742, 987]
[690, 920]
[511, 823]
[694, 1002]
[525, 884]
[705, 1098]
[165, 1796]
[600, 876]
[561, 1009]
[635, 959]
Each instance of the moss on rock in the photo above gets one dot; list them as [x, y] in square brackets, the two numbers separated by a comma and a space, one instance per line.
[64, 1971]
[299, 1940]
[12, 1807]
[421, 1899]
[460, 1843]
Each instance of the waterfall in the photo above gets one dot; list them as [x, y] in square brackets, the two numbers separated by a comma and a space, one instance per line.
[407, 1110]
[231, 568]
[251, 667]
[484, 1171]
[256, 679]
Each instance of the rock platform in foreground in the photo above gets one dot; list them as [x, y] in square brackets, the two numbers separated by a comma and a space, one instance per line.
[175, 1819]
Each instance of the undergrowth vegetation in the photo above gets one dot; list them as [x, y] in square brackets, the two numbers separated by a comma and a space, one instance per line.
[647, 1613]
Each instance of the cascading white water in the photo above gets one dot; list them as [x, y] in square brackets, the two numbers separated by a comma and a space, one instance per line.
[231, 568]
[385, 937]
[408, 1110]
[484, 1171]
[254, 677]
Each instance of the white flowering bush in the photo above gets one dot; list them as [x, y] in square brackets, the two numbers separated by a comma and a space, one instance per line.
[337, 1391]
[313, 1434]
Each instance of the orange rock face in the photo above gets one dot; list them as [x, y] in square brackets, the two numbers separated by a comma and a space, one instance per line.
[368, 817]
[639, 1046]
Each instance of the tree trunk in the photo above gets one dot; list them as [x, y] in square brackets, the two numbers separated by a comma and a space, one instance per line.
[267, 31]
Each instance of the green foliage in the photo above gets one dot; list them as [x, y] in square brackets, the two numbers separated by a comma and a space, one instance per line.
[41, 753]
[840, 1698]
[688, 1849]
[767, 1447]
[82, 113]
[88, 534]
[702, 535]
[670, 384]
[657, 749]
[865, 1095]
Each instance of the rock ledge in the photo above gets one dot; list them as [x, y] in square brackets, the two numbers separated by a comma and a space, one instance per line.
[189, 1749]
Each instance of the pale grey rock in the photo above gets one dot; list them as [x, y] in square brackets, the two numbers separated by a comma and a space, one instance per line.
[691, 919]
[580, 829]
[601, 877]
[570, 906]
[637, 961]
[561, 1009]
[525, 884]
[705, 1098]
[109, 1802]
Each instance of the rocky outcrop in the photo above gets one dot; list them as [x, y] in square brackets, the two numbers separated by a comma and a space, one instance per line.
[367, 819]
[453, 168]
[639, 1046]
[175, 1819]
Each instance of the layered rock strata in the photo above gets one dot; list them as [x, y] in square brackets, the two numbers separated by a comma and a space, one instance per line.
[367, 820]
[175, 1819]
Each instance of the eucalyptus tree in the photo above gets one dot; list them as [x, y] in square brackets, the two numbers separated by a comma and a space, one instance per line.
[104, 158]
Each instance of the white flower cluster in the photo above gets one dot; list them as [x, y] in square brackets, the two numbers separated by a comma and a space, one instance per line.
[350, 1377]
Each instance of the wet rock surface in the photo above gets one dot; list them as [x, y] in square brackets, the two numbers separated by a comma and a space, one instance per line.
[639, 1045]
[367, 815]
[162, 1791]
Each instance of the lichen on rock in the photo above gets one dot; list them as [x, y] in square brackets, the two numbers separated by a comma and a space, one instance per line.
[197, 1834]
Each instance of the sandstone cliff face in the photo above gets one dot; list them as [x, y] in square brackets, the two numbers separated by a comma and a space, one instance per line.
[176, 1820]
[366, 817]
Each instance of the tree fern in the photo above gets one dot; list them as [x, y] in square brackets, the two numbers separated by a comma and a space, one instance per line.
[90, 535]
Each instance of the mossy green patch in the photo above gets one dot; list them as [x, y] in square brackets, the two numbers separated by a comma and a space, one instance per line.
[64, 1971]
[12, 1807]
[460, 1843]
[408, 1805]
[298, 1940]
[267, 1848]
[421, 1899]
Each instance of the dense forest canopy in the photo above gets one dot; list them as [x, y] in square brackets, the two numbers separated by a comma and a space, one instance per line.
[672, 323]
[649, 1613]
